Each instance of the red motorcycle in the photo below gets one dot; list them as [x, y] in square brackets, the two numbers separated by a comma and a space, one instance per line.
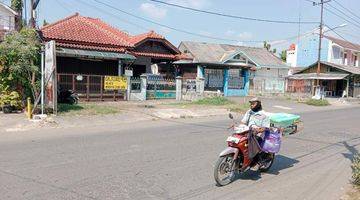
[235, 158]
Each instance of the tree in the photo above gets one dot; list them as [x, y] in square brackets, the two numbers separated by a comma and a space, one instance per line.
[283, 55]
[17, 5]
[267, 46]
[45, 23]
[19, 53]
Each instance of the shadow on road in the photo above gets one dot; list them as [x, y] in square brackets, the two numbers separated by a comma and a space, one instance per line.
[281, 162]
[352, 151]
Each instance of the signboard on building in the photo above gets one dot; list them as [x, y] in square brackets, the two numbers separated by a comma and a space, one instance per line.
[128, 72]
[50, 76]
[115, 83]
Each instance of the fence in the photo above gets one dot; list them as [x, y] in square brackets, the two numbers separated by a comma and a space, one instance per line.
[268, 85]
[160, 88]
[89, 87]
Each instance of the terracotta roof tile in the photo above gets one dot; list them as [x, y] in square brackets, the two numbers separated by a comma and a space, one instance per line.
[81, 32]
[90, 47]
[150, 35]
[84, 29]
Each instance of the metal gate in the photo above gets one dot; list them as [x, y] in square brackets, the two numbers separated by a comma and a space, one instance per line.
[214, 79]
[160, 88]
[89, 87]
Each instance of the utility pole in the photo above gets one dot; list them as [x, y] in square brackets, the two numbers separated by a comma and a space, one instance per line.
[32, 14]
[320, 39]
[33, 6]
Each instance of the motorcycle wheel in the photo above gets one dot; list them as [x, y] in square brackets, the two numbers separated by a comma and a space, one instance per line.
[223, 173]
[267, 165]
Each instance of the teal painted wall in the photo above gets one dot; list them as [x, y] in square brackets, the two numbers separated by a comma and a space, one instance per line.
[236, 92]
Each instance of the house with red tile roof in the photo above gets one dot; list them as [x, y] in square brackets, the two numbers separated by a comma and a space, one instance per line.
[90, 47]
[77, 32]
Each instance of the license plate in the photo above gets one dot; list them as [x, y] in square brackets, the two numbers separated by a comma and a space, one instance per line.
[233, 139]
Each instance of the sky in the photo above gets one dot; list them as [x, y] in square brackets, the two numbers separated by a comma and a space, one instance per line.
[236, 30]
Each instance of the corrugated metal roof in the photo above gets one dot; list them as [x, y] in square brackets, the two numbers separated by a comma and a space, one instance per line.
[96, 54]
[321, 76]
[217, 53]
[345, 68]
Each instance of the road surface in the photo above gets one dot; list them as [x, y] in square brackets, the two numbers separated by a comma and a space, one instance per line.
[174, 159]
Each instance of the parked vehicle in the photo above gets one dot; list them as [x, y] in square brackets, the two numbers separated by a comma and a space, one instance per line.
[67, 96]
[235, 158]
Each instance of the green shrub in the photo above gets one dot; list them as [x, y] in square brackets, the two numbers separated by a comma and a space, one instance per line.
[356, 170]
[10, 98]
[215, 101]
[317, 102]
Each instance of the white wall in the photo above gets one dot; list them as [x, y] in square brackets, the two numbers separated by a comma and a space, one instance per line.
[7, 19]
[291, 57]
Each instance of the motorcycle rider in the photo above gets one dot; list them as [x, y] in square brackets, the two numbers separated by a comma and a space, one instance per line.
[257, 119]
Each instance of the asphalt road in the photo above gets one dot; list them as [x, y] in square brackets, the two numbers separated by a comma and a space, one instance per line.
[174, 159]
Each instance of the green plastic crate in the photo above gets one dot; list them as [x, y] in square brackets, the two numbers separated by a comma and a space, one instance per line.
[284, 120]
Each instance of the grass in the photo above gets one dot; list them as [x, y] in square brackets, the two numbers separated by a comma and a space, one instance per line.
[87, 109]
[356, 170]
[316, 102]
[213, 101]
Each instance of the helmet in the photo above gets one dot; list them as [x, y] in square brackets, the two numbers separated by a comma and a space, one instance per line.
[255, 99]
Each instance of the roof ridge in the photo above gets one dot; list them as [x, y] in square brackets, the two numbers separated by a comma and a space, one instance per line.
[60, 21]
[109, 33]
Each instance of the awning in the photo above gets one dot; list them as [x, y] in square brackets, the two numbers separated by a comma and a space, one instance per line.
[321, 76]
[93, 54]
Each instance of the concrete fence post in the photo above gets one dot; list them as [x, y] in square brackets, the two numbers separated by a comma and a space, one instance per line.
[200, 86]
[143, 85]
[178, 88]
[128, 89]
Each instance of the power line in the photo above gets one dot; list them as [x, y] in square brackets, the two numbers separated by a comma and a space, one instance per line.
[342, 17]
[346, 9]
[232, 16]
[172, 28]
[115, 16]
[332, 29]
[63, 6]
[344, 13]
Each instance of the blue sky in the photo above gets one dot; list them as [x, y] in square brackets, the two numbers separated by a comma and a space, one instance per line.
[214, 26]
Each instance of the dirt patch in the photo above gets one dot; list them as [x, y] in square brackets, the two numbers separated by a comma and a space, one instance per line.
[352, 194]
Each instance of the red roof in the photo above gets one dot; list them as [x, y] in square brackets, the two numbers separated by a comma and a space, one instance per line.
[150, 35]
[81, 32]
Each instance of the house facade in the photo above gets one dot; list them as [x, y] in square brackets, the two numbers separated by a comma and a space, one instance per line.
[224, 66]
[333, 50]
[87, 49]
[339, 67]
[336, 80]
[7, 20]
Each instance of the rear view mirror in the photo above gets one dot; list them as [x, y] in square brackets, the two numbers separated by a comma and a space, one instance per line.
[231, 116]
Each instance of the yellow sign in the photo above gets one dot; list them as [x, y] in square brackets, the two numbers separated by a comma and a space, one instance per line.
[115, 83]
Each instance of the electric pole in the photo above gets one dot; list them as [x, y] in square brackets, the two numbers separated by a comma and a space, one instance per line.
[320, 39]
[33, 6]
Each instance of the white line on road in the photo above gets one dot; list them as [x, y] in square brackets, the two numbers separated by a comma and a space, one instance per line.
[282, 107]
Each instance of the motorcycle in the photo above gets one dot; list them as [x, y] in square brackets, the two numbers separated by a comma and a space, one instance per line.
[235, 158]
[67, 96]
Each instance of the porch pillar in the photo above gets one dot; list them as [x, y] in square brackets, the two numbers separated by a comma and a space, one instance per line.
[143, 85]
[347, 86]
[178, 88]
[226, 81]
[200, 71]
[120, 68]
